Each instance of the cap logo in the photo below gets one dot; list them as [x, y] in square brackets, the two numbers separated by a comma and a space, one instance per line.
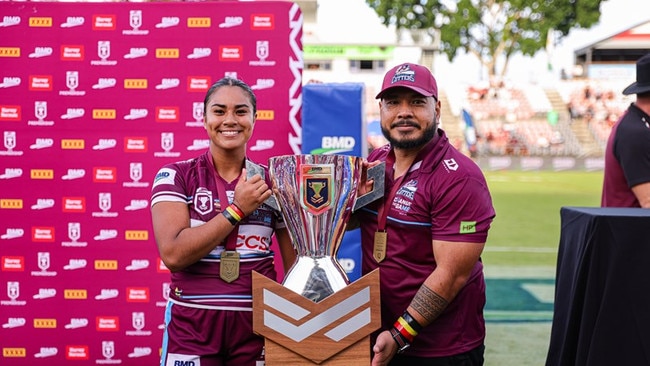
[403, 73]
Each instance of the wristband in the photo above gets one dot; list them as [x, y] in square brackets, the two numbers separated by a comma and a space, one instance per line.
[233, 221]
[402, 344]
[410, 323]
[235, 212]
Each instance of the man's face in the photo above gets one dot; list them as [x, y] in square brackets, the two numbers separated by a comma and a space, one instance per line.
[408, 119]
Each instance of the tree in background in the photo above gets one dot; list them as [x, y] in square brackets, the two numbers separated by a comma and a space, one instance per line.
[492, 30]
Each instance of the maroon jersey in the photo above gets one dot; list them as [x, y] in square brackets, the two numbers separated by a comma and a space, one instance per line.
[444, 196]
[193, 182]
[627, 159]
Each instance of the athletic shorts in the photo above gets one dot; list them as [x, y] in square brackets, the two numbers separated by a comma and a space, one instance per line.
[200, 337]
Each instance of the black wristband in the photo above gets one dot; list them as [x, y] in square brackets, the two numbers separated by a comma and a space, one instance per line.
[411, 322]
[230, 217]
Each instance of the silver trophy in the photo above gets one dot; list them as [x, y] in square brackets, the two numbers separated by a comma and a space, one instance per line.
[317, 194]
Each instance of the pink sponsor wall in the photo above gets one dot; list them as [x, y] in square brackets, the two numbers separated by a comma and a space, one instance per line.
[94, 98]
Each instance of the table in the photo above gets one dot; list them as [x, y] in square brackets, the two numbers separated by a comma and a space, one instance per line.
[602, 294]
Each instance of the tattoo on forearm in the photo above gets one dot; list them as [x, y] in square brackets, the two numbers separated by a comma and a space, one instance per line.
[428, 303]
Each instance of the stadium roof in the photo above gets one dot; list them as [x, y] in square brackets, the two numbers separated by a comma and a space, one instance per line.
[623, 47]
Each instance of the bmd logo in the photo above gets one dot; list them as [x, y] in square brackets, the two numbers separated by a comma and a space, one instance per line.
[335, 145]
[184, 363]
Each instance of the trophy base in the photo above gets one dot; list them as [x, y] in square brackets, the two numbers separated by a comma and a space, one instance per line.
[356, 354]
[335, 331]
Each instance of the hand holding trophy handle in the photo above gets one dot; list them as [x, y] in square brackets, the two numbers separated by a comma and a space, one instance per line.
[372, 173]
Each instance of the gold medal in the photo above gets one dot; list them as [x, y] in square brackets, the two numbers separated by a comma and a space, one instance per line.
[229, 268]
[379, 251]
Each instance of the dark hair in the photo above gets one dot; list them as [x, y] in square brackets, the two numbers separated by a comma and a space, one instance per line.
[230, 81]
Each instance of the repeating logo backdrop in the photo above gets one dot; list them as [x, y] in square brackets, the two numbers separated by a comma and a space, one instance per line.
[94, 98]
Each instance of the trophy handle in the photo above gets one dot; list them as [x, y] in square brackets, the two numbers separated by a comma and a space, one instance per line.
[251, 170]
[377, 174]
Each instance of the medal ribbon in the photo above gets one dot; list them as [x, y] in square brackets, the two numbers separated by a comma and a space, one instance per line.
[231, 240]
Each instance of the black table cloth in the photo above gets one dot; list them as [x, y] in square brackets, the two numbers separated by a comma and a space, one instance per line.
[602, 294]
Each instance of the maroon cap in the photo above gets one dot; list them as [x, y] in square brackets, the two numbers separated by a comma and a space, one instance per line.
[412, 76]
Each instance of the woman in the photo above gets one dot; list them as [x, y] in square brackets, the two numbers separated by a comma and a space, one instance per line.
[213, 229]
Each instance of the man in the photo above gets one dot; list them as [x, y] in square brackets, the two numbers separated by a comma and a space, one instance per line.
[627, 155]
[427, 233]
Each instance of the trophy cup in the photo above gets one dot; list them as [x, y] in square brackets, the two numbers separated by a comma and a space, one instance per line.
[316, 313]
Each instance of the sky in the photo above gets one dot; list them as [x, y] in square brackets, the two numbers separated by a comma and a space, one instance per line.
[341, 20]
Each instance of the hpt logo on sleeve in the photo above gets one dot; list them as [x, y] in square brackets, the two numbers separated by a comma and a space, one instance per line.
[335, 145]
[467, 227]
[316, 187]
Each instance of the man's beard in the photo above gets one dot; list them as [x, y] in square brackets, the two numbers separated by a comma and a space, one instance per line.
[427, 135]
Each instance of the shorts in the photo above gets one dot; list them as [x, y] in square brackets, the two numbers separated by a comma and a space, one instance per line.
[200, 337]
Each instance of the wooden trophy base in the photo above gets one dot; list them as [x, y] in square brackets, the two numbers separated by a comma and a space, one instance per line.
[335, 331]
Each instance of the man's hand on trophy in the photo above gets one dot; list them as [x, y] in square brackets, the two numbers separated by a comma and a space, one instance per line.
[250, 192]
[366, 185]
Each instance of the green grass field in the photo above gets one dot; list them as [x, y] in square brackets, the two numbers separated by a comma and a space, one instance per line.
[526, 230]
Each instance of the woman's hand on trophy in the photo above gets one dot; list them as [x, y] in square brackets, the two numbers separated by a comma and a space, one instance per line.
[250, 193]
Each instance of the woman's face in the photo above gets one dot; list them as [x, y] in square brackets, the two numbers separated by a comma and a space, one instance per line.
[229, 118]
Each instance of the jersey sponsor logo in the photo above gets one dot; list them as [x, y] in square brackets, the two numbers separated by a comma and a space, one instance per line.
[164, 176]
[467, 227]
